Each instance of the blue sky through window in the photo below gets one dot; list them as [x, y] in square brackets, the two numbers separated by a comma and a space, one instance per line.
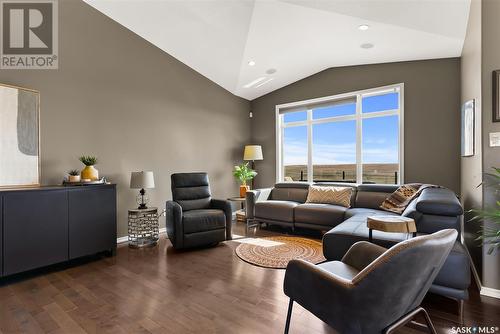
[335, 143]
[380, 102]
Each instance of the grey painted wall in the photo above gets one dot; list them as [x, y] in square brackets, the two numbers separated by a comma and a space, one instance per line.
[432, 114]
[491, 155]
[472, 167]
[135, 107]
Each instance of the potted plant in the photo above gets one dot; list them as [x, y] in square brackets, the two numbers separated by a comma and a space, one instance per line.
[243, 173]
[89, 172]
[490, 232]
[74, 176]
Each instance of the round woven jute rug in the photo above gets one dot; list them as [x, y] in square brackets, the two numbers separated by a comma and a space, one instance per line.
[276, 252]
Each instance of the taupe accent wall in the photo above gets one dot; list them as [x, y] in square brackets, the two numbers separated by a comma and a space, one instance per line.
[491, 155]
[431, 114]
[472, 167]
[135, 107]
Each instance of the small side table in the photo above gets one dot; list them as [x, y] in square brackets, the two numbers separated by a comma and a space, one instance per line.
[394, 224]
[240, 214]
[143, 227]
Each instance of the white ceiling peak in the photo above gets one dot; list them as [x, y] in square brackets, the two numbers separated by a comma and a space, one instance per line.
[297, 38]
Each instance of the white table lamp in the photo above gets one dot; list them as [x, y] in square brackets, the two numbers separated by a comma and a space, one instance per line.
[142, 180]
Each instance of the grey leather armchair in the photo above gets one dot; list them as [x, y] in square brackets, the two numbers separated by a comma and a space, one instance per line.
[372, 290]
[193, 217]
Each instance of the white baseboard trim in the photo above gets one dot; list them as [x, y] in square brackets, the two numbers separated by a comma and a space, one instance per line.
[124, 239]
[495, 293]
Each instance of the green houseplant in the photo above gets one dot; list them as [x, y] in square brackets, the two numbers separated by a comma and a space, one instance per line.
[89, 172]
[490, 230]
[244, 173]
[73, 175]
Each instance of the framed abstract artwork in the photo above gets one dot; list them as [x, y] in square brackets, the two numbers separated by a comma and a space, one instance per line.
[496, 96]
[19, 136]
[468, 111]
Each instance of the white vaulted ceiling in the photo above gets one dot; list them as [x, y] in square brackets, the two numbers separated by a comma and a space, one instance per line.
[297, 38]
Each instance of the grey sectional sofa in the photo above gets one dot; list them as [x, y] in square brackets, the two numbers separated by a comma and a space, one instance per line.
[435, 209]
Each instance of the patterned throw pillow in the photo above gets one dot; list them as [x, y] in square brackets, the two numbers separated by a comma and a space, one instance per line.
[399, 200]
[330, 195]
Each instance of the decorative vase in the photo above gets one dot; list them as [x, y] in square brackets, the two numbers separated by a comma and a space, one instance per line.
[243, 190]
[89, 172]
[74, 178]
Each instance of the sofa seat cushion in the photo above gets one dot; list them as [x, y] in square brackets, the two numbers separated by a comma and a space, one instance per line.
[275, 210]
[319, 214]
[366, 212]
[203, 220]
[338, 240]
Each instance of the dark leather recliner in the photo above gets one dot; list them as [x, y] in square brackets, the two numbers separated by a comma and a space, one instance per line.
[372, 290]
[193, 217]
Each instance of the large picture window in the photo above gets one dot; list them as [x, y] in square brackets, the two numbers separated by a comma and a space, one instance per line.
[354, 137]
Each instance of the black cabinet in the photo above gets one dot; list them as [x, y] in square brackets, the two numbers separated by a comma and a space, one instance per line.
[47, 225]
[92, 221]
[35, 226]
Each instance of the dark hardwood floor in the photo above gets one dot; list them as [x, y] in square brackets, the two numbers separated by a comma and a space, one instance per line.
[158, 290]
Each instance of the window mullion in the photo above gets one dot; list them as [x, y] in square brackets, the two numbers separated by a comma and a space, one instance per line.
[359, 166]
[309, 147]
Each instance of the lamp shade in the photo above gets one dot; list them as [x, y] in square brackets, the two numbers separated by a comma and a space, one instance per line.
[253, 152]
[142, 180]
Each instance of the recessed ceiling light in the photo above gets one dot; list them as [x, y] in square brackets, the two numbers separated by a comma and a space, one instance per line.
[253, 83]
[364, 27]
[367, 45]
[251, 63]
[271, 71]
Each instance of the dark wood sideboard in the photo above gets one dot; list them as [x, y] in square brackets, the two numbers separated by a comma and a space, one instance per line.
[47, 225]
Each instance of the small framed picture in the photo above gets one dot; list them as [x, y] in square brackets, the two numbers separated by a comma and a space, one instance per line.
[496, 96]
[468, 128]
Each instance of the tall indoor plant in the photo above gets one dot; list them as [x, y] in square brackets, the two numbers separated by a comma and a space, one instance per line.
[490, 230]
[244, 173]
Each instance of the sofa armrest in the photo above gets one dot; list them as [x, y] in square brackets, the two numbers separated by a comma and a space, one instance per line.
[225, 206]
[254, 196]
[439, 201]
[362, 253]
[173, 222]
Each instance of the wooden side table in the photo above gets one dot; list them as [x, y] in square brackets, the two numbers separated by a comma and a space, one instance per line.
[143, 227]
[394, 224]
[240, 214]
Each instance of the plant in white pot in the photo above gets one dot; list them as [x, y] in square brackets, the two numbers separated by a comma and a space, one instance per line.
[244, 173]
[74, 176]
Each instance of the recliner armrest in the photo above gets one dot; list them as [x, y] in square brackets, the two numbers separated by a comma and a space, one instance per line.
[439, 201]
[362, 253]
[225, 206]
[173, 222]
[254, 196]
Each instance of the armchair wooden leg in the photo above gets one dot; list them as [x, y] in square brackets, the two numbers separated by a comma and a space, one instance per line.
[288, 316]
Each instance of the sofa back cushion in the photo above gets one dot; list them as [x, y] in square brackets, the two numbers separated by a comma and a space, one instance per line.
[290, 191]
[330, 195]
[191, 190]
[372, 195]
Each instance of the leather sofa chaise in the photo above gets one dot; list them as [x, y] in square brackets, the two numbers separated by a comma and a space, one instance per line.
[434, 210]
